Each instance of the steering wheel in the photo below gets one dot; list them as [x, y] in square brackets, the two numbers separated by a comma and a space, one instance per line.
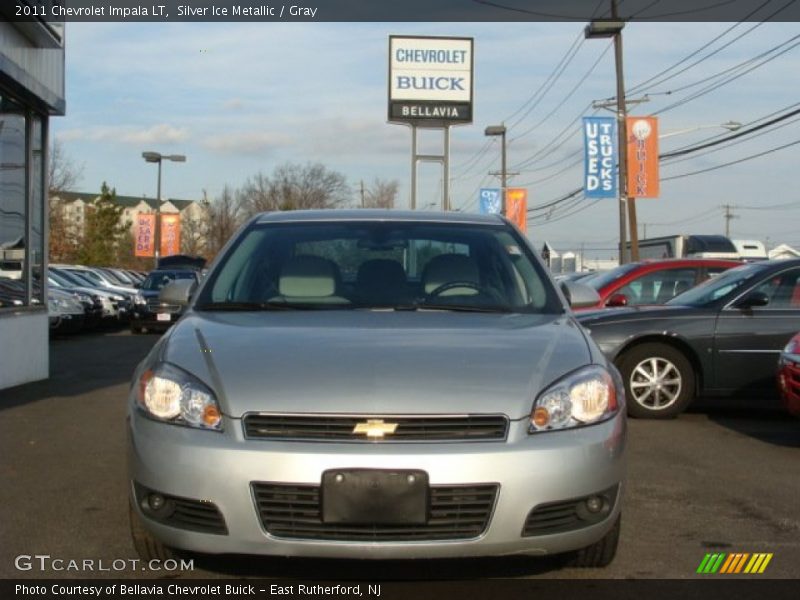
[456, 284]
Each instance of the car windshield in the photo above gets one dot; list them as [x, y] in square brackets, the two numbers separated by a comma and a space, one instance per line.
[601, 280]
[158, 279]
[715, 288]
[379, 265]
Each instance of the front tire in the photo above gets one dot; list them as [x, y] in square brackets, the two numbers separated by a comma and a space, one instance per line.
[601, 553]
[659, 381]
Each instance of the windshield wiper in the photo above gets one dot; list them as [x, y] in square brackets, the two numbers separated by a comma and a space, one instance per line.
[252, 306]
[449, 307]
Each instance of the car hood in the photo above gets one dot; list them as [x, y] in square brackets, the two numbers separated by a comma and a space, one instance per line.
[376, 362]
[609, 315]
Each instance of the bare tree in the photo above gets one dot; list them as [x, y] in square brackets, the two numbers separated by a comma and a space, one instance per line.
[63, 175]
[62, 172]
[224, 215]
[295, 187]
[381, 194]
[195, 230]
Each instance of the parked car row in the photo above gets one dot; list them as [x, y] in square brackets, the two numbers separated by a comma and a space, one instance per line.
[106, 295]
[720, 338]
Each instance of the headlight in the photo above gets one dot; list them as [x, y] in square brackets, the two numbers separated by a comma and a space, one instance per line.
[174, 396]
[139, 299]
[116, 297]
[586, 396]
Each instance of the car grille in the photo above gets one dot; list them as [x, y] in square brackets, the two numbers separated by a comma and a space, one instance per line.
[568, 515]
[154, 305]
[449, 428]
[293, 511]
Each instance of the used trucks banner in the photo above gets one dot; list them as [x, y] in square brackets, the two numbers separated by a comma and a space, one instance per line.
[600, 145]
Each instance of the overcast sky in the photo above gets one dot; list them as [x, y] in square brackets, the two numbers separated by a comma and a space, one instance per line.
[237, 99]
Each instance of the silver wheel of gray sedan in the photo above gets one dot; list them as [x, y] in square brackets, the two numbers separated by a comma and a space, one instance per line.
[655, 383]
[659, 381]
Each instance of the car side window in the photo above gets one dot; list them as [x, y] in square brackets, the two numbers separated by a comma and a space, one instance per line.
[783, 290]
[659, 286]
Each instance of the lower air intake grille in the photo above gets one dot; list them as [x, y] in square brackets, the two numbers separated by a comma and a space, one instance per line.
[456, 512]
[184, 513]
[570, 515]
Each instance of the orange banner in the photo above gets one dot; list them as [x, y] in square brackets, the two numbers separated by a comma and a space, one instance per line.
[170, 234]
[517, 207]
[145, 243]
[642, 134]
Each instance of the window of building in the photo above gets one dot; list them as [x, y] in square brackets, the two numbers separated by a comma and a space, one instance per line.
[22, 243]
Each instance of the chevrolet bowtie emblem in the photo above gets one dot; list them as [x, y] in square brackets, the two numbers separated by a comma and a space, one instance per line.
[375, 428]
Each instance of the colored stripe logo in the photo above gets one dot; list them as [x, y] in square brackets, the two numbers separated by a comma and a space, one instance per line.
[734, 563]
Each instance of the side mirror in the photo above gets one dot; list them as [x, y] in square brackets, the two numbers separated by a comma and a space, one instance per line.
[177, 292]
[579, 295]
[137, 284]
[617, 300]
[753, 299]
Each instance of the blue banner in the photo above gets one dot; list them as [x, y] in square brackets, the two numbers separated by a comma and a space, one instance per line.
[491, 201]
[600, 157]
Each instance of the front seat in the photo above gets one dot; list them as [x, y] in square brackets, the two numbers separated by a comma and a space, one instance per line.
[308, 279]
[451, 268]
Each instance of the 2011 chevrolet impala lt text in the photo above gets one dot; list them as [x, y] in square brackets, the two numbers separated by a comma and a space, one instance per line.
[376, 384]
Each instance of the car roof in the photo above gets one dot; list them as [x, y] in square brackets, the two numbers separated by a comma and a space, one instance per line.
[377, 215]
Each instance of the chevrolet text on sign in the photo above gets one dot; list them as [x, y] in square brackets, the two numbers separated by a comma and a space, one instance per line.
[430, 79]
[600, 144]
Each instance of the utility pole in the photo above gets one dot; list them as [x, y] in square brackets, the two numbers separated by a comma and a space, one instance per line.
[603, 28]
[363, 202]
[729, 216]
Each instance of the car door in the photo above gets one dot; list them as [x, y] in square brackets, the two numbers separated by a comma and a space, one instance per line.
[748, 341]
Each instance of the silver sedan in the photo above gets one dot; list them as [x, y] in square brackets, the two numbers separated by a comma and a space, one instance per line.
[376, 384]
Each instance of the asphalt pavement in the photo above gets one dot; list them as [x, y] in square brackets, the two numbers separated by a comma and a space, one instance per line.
[714, 480]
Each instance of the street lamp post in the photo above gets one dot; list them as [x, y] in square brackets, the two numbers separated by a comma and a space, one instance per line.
[156, 157]
[606, 28]
[494, 130]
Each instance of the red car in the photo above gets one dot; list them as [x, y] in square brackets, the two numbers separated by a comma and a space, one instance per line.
[789, 375]
[653, 282]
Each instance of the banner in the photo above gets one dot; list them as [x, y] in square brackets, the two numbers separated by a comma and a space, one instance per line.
[145, 244]
[491, 200]
[643, 157]
[517, 207]
[170, 234]
[600, 157]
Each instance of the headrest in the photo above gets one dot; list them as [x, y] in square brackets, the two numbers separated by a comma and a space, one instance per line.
[308, 276]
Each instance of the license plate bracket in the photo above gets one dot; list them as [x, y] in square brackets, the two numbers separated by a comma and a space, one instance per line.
[375, 496]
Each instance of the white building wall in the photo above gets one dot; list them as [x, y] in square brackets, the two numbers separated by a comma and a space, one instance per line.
[24, 350]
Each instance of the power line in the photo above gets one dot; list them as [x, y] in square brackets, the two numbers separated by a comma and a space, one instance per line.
[568, 96]
[734, 162]
[730, 79]
[544, 88]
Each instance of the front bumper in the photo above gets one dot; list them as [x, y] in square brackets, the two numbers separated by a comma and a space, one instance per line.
[530, 470]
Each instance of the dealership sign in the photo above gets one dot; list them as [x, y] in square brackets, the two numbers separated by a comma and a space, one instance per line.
[517, 207]
[600, 157]
[145, 234]
[430, 80]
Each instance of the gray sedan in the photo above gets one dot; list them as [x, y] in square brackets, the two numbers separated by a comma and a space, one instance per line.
[376, 384]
